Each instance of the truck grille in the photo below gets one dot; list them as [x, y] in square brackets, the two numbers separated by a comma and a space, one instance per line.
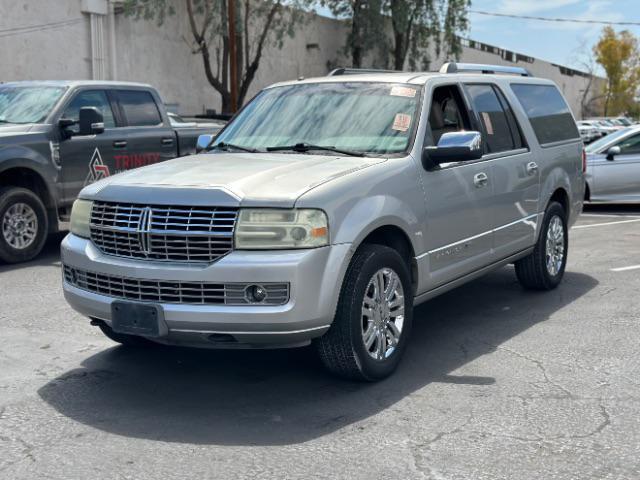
[166, 291]
[163, 233]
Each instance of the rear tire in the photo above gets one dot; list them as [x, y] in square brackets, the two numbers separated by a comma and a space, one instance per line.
[544, 268]
[23, 224]
[133, 341]
[369, 332]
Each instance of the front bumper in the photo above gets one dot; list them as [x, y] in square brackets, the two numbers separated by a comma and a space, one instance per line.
[315, 277]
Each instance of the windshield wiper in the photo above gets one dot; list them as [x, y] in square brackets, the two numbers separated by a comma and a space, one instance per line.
[305, 147]
[227, 146]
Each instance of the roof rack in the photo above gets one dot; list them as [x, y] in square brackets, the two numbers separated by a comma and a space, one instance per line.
[453, 67]
[358, 71]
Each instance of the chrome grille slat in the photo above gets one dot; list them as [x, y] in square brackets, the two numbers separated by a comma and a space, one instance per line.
[170, 291]
[171, 233]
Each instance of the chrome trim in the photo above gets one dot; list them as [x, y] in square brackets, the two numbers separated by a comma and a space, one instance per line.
[474, 237]
[288, 332]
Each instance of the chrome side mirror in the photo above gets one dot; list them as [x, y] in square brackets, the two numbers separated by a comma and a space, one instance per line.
[454, 147]
[612, 152]
[203, 143]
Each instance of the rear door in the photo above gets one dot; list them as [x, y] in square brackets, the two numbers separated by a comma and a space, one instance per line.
[150, 137]
[88, 158]
[515, 173]
[618, 178]
[458, 197]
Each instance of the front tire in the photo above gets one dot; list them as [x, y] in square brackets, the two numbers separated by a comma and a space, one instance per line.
[373, 320]
[23, 224]
[544, 268]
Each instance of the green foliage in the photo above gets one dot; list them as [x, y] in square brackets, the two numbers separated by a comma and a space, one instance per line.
[619, 55]
[415, 25]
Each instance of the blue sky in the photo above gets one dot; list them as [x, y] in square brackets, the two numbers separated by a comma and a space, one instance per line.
[554, 42]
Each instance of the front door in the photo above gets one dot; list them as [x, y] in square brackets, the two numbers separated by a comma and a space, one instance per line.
[88, 158]
[618, 178]
[515, 172]
[458, 197]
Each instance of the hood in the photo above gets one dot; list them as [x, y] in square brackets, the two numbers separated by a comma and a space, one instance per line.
[11, 129]
[267, 179]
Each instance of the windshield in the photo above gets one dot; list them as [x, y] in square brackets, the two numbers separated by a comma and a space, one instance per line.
[376, 118]
[27, 104]
[598, 144]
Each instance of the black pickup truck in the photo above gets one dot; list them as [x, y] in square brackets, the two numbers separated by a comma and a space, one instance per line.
[58, 136]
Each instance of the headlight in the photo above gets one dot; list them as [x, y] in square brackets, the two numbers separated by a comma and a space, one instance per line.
[263, 229]
[80, 218]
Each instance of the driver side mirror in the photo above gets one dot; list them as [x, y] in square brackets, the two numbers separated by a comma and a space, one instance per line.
[612, 152]
[91, 121]
[454, 147]
[203, 143]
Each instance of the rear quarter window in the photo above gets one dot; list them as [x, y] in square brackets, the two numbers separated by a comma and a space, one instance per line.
[548, 113]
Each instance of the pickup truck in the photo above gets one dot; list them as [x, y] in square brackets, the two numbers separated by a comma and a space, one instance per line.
[56, 137]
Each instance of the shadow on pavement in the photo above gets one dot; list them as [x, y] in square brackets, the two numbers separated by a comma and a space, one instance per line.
[612, 209]
[285, 397]
[50, 255]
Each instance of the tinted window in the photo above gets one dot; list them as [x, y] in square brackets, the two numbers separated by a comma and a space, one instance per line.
[90, 98]
[139, 108]
[497, 131]
[630, 145]
[549, 114]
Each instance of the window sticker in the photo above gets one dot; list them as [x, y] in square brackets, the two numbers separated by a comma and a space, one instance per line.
[401, 122]
[487, 123]
[403, 92]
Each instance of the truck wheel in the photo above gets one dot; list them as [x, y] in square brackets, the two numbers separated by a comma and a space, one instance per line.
[123, 339]
[23, 224]
[372, 324]
[544, 268]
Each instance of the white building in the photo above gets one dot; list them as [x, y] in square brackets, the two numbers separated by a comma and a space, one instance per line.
[92, 39]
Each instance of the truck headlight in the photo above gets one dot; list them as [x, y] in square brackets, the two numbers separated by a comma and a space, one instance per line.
[267, 229]
[80, 218]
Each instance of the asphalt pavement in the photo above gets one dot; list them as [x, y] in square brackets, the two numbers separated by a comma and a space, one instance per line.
[497, 383]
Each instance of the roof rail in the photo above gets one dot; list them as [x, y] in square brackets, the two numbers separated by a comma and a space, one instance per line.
[357, 71]
[453, 67]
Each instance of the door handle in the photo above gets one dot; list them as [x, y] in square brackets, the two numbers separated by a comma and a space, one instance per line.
[480, 179]
[119, 144]
[167, 141]
[532, 167]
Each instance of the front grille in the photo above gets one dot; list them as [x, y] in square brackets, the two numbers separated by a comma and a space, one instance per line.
[163, 233]
[165, 291]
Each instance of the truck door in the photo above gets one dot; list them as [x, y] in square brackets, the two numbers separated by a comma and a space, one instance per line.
[150, 139]
[458, 198]
[88, 158]
[515, 171]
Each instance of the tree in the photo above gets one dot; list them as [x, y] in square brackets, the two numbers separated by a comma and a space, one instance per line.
[414, 24]
[619, 55]
[258, 24]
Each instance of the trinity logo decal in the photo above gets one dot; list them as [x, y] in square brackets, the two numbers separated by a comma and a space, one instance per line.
[97, 169]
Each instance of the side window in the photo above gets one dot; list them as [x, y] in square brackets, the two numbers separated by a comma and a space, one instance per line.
[90, 98]
[630, 145]
[497, 131]
[139, 108]
[550, 116]
[447, 113]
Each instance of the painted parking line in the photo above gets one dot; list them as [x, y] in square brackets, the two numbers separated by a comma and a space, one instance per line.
[625, 269]
[606, 223]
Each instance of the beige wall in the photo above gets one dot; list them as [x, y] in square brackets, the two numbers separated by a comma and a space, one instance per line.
[161, 56]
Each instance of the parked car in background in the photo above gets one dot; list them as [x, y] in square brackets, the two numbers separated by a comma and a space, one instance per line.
[602, 127]
[329, 207]
[57, 137]
[179, 121]
[588, 132]
[613, 167]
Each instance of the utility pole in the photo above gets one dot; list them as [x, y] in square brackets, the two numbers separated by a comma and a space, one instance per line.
[233, 56]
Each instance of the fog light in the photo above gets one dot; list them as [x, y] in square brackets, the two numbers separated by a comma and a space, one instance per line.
[255, 293]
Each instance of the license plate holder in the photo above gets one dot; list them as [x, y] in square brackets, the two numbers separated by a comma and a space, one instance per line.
[145, 319]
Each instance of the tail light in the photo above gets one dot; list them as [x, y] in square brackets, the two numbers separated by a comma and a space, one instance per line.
[584, 161]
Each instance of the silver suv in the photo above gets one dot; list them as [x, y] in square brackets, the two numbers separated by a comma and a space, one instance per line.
[327, 209]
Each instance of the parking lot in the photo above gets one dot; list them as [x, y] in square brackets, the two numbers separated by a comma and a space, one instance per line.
[498, 383]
